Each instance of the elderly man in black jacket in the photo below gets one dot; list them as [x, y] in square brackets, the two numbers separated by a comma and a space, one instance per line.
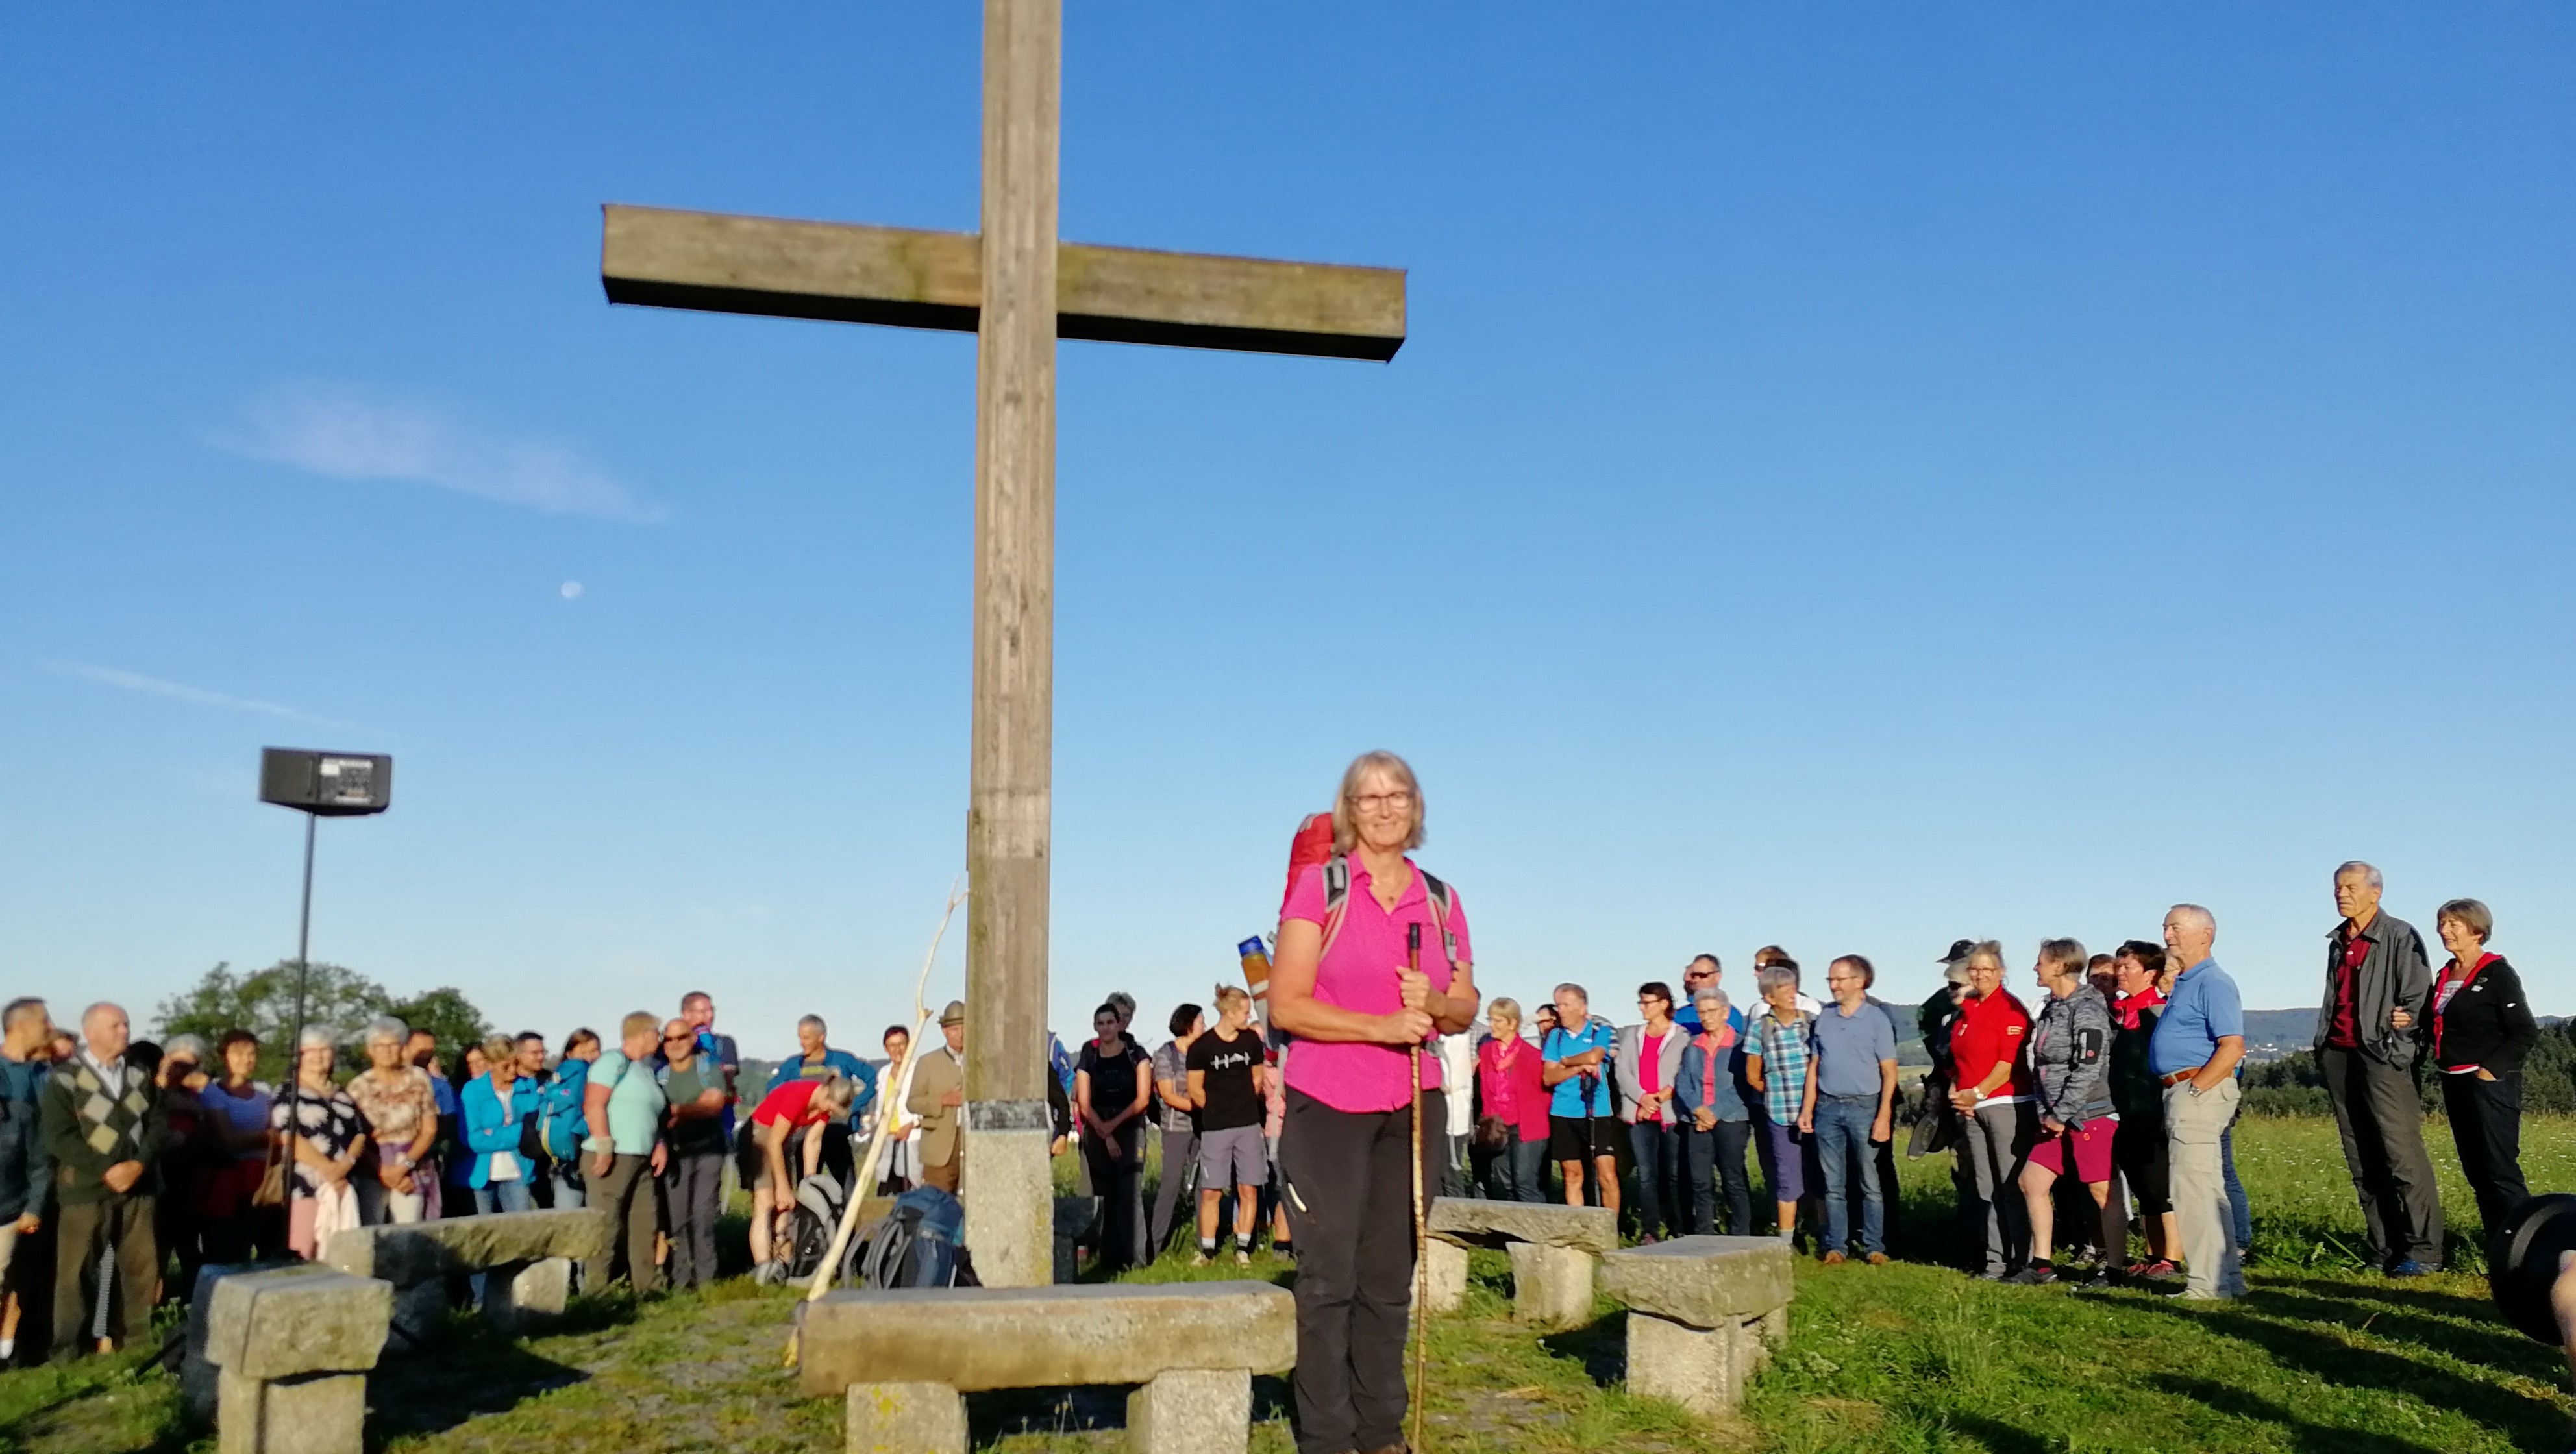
[2378, 985]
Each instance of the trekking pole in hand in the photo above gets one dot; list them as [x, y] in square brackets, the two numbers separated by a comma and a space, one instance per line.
[1421, 1269]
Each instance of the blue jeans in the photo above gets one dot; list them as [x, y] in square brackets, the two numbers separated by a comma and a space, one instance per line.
[503, 1196]
[1842, 1138]
[1658, 1145]
[1513, 1175]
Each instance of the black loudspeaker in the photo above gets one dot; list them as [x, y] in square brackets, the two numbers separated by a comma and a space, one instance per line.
[2522, 1263]
[326, 784]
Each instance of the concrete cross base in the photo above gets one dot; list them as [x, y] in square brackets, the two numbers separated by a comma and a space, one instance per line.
[516, 1299]
[1191, 1411]
[1551, 1286]
[1705, 1370]
[319, 1413]
[1444, 1269]
[903, 1418]
[1008, 1186]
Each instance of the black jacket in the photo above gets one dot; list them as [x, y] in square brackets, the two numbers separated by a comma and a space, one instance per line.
[2488, 1025]
[2394, 974]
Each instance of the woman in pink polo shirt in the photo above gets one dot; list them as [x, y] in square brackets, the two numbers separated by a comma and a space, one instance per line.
[1340, 988]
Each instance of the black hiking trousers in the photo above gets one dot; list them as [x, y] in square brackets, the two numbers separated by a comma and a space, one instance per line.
[1350, 1208]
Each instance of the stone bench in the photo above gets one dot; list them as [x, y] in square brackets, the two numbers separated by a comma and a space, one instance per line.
[528, 1258]
[1552, 1249]
[291, 1349]
[1704, 1314]
[904, 1360]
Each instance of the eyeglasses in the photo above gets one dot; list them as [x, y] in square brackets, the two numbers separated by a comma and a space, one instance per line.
[1384, 802]
[676, 1039]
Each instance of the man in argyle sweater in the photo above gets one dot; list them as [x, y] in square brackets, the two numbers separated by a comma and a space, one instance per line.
[104, 1127]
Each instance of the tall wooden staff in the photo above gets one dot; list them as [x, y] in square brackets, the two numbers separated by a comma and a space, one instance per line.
[1421, 1268]
[889, 1110]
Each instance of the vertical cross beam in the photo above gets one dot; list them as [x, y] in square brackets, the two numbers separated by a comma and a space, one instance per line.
[1008, 1187]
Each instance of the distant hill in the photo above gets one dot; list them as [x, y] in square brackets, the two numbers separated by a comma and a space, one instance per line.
[2272, 1034]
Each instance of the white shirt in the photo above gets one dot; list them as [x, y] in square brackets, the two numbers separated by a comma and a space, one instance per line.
[112, 1072]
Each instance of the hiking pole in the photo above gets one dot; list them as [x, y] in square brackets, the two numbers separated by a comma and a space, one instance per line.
[1421, 1268]
[889, 1110]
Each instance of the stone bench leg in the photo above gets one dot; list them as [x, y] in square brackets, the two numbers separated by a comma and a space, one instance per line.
[323, 1413]
[517, 1298]
[1551, 1286]
[904, 1418]
[1705, 1370]
[1445, 1270]
[1191, 1411]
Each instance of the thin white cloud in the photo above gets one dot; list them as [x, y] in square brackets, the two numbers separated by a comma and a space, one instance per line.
[135, 681]
[350, 433]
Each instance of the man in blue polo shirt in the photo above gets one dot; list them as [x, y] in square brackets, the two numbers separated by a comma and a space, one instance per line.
[1575, 1060]
[2197, 1042]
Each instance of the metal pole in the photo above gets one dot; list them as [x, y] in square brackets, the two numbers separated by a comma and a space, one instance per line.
[295, 1040]
[1421, 1269]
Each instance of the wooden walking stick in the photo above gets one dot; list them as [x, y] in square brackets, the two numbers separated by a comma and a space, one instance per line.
[1421, 1268]
[889, 1111]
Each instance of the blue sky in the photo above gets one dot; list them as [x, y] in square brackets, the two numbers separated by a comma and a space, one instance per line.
[1857, 477]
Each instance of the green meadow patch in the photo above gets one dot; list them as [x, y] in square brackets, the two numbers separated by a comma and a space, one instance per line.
[2322, 1358]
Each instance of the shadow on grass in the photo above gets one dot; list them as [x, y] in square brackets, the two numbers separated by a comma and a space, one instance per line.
[1006, 1412]
[2530, 1422]
[1601, 1346]
[122, 1404]
[2484, 1342]
[2307, 1437]
[470, 1368]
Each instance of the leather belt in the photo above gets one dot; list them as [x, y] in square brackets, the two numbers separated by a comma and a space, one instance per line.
[2179, 1076]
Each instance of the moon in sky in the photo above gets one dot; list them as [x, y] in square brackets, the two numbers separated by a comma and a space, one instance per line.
[572, 590]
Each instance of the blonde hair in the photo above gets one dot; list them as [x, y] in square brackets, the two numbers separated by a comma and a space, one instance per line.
[1229, 994]
[499, 1048]
[639, 1022]
[1503, 1007]
[1346, 827]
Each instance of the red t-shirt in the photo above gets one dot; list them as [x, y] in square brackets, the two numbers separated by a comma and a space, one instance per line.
[792, 1103]
[2343, 1034]
[1988, 1033]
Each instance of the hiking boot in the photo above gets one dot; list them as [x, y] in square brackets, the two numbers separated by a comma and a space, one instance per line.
[1834, 1259]
[1876, 1259]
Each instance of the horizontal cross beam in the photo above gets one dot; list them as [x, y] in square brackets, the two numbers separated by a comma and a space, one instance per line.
[852, 273]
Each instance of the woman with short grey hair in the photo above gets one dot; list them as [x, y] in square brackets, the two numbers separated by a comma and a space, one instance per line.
[400, 1108]
[2482, 1031]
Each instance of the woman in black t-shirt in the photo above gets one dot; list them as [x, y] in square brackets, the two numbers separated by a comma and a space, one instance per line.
[1109, 1090]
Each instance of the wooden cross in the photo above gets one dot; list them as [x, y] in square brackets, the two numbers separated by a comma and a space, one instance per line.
[1019, 289]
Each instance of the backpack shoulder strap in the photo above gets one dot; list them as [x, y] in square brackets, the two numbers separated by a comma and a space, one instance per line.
[1438, 895]
[1337, 898]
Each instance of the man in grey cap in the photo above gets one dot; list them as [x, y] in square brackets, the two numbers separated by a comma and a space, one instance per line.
[938, 1089]
[1934, 1021]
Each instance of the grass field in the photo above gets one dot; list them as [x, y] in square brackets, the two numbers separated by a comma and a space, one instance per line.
[2320, 1359]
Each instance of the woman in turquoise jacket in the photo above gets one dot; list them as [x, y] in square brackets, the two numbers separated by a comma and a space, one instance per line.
[498, 1107]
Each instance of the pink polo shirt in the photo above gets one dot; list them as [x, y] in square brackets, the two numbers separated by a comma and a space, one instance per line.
[1358, 973]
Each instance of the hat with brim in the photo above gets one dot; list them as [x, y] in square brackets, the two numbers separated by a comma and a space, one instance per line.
[955, 1014]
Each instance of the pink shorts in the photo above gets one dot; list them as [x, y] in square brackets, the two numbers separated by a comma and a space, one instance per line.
[2089, 1148]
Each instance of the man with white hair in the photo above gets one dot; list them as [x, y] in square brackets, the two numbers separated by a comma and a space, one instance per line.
[104, 1127]
[2193, 1052]
[2378, 986]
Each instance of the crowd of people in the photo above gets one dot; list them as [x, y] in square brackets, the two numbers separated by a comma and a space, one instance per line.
[2090, 1114]
[126, 1164]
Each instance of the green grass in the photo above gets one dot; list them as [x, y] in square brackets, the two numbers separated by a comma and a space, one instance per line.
[2321, 1359]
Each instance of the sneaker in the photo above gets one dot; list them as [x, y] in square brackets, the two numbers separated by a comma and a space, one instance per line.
[1201, 1259]
[2154, 1271]
[1876, 1259]
[1284, 1251]
[2038, 1274]
[1990, 1276]
[2407, 1267]
[2101, 1277]
[1242, 1258]
[1834, 1259]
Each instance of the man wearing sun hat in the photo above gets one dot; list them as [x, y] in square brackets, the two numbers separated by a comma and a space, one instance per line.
[938, 1091]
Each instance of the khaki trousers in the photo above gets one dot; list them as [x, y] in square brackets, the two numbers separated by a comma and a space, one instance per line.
[2194, 1122]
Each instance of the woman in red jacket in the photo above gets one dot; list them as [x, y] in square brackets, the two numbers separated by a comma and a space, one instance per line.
[1508, 1092]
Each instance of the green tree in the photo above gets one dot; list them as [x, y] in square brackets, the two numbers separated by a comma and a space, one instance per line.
[446, 1014]
[338, 998]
